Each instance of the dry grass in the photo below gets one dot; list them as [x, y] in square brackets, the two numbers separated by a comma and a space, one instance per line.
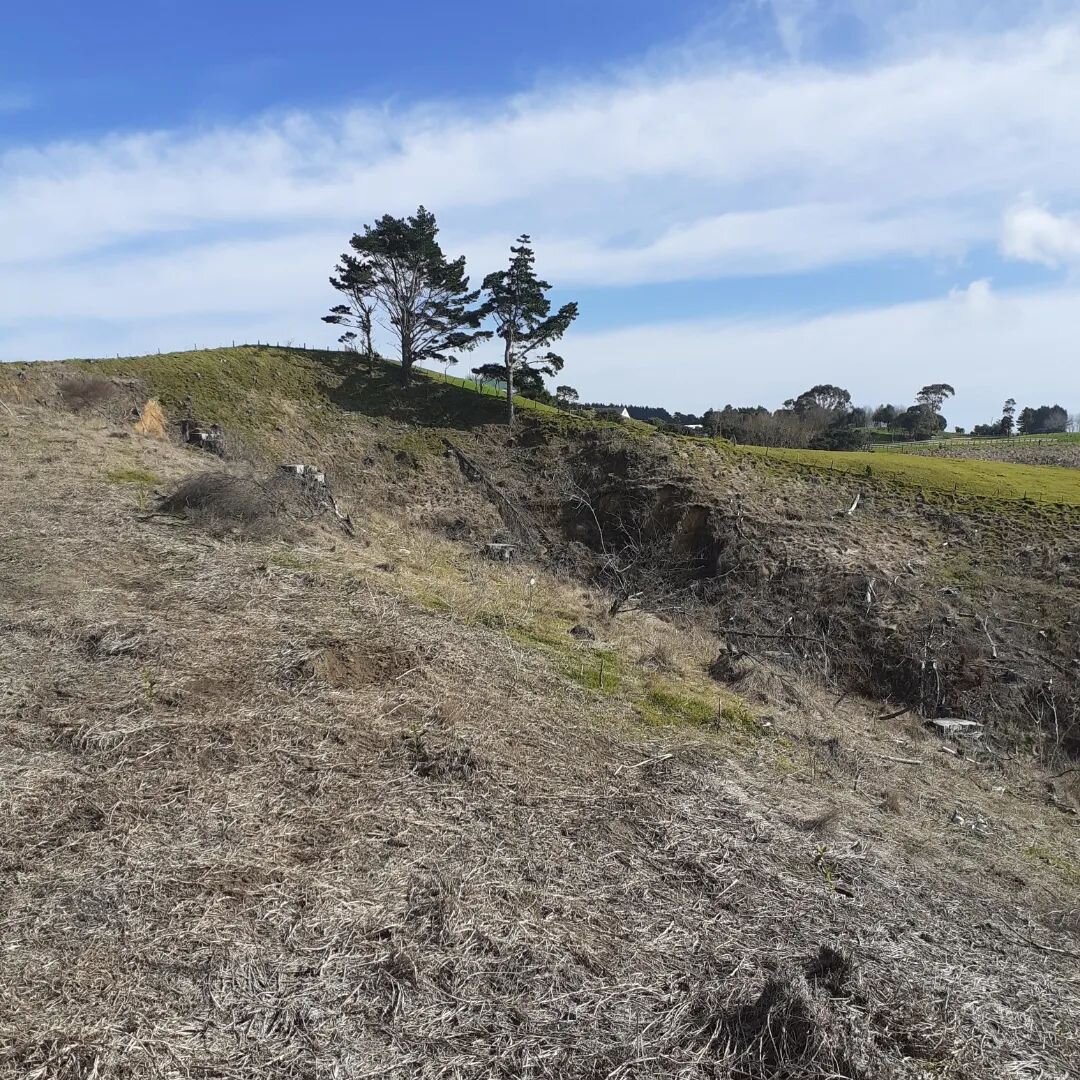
[268, 820]
[152, 422]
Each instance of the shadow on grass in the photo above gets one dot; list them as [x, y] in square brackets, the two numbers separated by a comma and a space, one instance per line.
[429, 400]
[432, 399]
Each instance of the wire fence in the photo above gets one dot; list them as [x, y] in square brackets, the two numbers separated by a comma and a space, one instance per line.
[900, 445]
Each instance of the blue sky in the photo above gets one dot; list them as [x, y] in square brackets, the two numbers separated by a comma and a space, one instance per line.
[746, 198]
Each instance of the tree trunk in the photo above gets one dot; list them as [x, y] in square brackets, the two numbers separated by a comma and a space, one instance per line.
[405, 337]
[509, 358]
[370, 346]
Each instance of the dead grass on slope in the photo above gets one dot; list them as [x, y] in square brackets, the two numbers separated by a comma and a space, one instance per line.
[152, 422]
[268, 817]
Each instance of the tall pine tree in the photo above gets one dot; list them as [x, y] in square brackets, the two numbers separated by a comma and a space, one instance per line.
[397, 273]
[517, 302]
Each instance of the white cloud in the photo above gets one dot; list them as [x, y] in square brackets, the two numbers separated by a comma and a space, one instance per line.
[1034, 234]
[970, 126]
[988, 345]
[978, 295]
[758, 242]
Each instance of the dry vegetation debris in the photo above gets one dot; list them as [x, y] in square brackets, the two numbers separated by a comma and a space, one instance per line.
[242, 505]
[266, 814]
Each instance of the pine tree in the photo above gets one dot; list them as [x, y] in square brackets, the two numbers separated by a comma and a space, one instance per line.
[398, 271]
[1008, 416]
[517, 301]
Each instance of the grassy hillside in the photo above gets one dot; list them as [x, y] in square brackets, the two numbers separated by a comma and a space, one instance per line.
[255, 390]
[256, 387]
[887, 441]
[989, 479]
[1061, 449]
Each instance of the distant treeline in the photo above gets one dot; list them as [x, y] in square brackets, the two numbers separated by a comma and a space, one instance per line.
[1043, 420]
[645, 412]
[824, 417]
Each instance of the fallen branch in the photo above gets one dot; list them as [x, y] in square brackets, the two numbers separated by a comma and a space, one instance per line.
[511, 513]
[772, 637]
[894, 715]
[647, 761]
[1039, 945]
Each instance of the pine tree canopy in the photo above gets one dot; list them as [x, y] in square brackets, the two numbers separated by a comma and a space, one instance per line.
[396, 274]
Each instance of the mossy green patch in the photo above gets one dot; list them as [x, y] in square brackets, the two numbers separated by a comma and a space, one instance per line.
[286, 560]
[141, 477]
[433, 601]
[493, 620]
[594, 669]
[543, 633]
[418, 446]
[666, 703]
[785, 764]
[1069, 869]
[736, 714]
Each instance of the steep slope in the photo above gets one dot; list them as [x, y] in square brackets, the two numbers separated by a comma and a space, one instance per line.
[301, 804]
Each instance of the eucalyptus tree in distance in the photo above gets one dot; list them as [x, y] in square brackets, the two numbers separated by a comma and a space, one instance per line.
[396, 273]
[566, 397]
[516, 299]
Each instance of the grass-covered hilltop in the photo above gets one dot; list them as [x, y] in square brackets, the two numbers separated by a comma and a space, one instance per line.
[580, 747]
[250, 388]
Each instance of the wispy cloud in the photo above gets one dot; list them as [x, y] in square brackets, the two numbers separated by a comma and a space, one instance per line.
[915, 139]
[697, 168]
[13, 101]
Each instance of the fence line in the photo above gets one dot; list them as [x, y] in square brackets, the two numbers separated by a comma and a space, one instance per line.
[900, 445]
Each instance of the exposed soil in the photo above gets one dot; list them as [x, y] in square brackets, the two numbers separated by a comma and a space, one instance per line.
[954, 608]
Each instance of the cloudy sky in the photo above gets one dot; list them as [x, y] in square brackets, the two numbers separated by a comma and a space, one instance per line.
[746, 198]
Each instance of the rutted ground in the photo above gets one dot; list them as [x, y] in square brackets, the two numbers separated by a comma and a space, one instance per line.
[319, 806]
[1061, 453]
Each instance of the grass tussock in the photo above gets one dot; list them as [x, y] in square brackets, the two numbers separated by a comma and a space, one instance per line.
[152, 421]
